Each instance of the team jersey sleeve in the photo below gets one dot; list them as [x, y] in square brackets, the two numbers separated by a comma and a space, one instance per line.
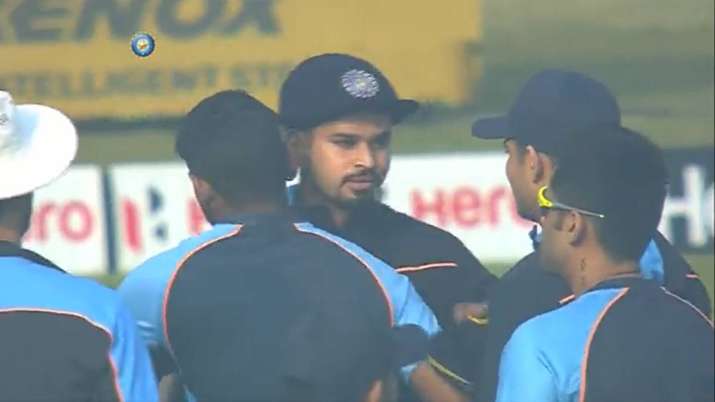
[143, 293]
[524, 372]
[407, 305]
[135, 379]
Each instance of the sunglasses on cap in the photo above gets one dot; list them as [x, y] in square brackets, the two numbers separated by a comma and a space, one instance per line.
[546, 204]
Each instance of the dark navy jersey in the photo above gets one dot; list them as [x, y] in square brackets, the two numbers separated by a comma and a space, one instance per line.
[624, 340]
[443, 270]
[66, 338]
[184, 298]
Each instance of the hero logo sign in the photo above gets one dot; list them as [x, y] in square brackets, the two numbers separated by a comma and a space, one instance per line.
[465, 194]
[688, 213]
[154, 208]
[68, 215]
[466, 207]
[148, 224]
[73, 220]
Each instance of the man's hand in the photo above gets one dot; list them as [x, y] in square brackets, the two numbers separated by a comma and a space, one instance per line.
[477, 312]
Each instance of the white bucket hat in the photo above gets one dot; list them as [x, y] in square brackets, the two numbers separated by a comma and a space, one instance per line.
[37, 144]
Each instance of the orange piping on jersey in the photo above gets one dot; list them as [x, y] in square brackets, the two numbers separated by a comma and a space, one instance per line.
[390, 309]
[567, 299]
[170, 284]
[594, 327]
[680, 299]
[427, 266]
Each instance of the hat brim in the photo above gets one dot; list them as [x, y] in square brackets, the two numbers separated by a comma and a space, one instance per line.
[47, 146]
[490, 128]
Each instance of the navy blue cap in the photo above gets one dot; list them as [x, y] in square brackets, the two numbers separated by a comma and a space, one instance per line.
[552, 105]
[329, 86]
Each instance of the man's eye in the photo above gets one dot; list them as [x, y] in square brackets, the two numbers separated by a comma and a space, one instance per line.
[344, 143]
[382, 142]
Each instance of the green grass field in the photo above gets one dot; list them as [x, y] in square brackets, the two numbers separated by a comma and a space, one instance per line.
[656, 55]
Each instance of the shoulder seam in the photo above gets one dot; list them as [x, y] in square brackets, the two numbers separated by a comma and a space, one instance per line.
[446, 264]
[589, 340]
[689, 304]
[386, 295]
[180, 264]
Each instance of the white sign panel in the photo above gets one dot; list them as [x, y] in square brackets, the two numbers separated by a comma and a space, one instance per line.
[68, 222]
[154, 208]
[465, 194]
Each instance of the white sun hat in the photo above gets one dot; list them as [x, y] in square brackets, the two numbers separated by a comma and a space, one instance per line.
[37, 145]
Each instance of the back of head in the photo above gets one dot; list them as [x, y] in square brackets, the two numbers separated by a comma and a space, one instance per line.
[621, 174]
[232, 141]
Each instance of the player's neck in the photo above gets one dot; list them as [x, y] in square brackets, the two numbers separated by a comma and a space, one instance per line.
[264, 207]
[588, 271]
[10, 235]
[311, 196]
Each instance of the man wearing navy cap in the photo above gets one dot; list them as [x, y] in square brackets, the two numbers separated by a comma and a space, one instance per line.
[62, 338]
[264, 305]
[552, 107]
[340, 112]
[624, 337]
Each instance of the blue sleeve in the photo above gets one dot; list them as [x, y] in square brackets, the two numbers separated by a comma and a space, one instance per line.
[406, 304]
[524, 373]
[136, 380]
[143, 294]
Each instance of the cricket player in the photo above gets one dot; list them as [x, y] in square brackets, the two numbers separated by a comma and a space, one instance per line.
[553, 107]
[63, 338]
[624, 337]
[340, 112]
[219, 309]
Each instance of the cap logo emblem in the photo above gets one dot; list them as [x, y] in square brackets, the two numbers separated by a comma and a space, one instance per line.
[360, 84]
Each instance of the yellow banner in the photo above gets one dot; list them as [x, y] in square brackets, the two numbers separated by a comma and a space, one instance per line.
[75, 54]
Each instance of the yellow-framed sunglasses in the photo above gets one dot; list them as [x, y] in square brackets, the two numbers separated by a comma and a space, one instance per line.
[546, 203]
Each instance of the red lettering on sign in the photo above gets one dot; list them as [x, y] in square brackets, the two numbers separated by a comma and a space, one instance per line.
[423, 210]
[74, 221]
[132, 226]
[466, 207]
[39, 221]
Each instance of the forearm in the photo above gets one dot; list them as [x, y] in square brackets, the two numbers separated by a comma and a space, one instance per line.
[171, 389]
[431, 387]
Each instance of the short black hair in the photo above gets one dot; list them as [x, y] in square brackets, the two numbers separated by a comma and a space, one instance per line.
[621, 174]
[233, 141]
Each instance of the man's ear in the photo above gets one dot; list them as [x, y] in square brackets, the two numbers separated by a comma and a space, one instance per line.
[576, 226]
[297, 144]
[202, 189]
[534, 164]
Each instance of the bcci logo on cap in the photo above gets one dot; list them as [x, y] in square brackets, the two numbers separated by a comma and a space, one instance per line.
[143, 44]
[360, 84]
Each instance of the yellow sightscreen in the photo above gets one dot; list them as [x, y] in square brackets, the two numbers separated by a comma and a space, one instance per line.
[76, 54]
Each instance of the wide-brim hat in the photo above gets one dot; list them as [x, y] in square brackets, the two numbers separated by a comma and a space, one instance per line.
[37, 145]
